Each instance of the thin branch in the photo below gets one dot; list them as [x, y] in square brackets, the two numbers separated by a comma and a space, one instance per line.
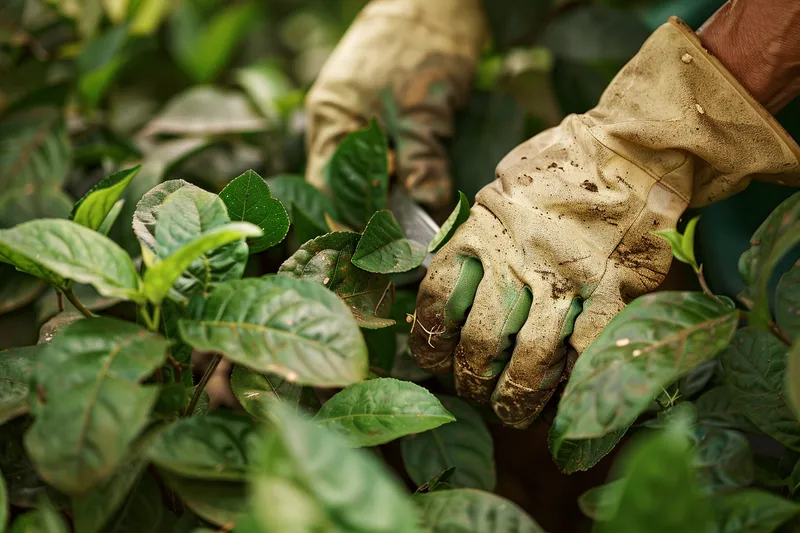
[783, 337]
[212, 366]
[702, 279]
[77, 303]
[60, 301]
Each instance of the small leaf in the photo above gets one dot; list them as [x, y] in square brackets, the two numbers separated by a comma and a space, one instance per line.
[383, 248]
[294, 328]
[456, 218]
[220, 502]
[111, 217]
[600, 503]
[90, 405]
[318, 464]
[16, 367]
[60, 250]
[327, 260]
[687, 246]
[93, 208]
[577, 455]
[99, 61]
[751, 511]
[473, 511]
[381, 410]
[646, 347]
[256, 392]
[216, 446]
[787, 303]
[248, 198]
[676, 242]
[754, 370]
[465, 444]
[358, 175]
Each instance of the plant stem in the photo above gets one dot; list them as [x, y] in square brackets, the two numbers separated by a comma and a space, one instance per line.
[702, 279]
[60, 301]
[77, 303]
[773, 327]
[203, 381]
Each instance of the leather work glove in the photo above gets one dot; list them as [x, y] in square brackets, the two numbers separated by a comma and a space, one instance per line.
[424, 53]
[562, 239]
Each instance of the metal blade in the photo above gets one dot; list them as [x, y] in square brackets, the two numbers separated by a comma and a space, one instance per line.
[416, 223]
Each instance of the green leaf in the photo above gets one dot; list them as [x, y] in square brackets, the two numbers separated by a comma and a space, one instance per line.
[309, 200]
[456, 218]
[203, 49]
[787, 303]
[60, 250]
[327, 260]
[688, 240]
[437, 482]
[216, 446]
[650, 344]
[90, 405]
[257, 392]
[682, 245]
[248, 198]
[304, 227]
[465, 444]
[220, 502]
[600, 503]
[792, 385]
[142, 511]
[657, 469]
[99, 61]
[24, 486]
[174, 215]
[111, 217]
[578, 455]
[754, 370]
[17, 289]
[381, 410]
[778, 234]
[269, 87]
[751, 511]
[716, 408]
[3, 504]
[315, 465]
[358, 176]
[290, 327]
[45, 519]
[473, 511]
[93, 208]
[159, 278]
[383, 248]
[723, 459]
[95, 509]
[24, 204]
[16, 367]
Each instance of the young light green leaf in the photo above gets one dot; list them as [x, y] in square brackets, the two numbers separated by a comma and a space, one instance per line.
[159, 278]
[294, 328]
[318, 463]
[111, 217]
[616, 378]
[383, 248]
[256, 392]
[93, 208]
[465, 444]
[473, 511]
[751, 510]
[787, 303]
[220, 502]
[60, 250]
[577, 455]
[248, 199]
[358, 175]
[600, 503]
[456, 218]
[217, 446]
[308, 199]
[16, 367]
[754, 371]
[88, 389]
[381, 410]
[682, 245]
[327, 260]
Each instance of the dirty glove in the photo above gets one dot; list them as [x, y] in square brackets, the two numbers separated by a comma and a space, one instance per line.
[423, 52]
[562, 239]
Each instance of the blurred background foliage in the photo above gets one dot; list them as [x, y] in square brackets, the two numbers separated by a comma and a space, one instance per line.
[206, 89]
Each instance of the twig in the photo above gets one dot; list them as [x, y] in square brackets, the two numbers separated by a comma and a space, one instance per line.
[702, 279]
[60, 301]
[783, 337]
[77, 303]
[203, 381]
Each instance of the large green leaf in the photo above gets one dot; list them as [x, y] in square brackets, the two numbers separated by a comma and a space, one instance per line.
[248, 198]
[291, 327]
[327, 260]
[646, 347]
[358, 177]
[215, 446]
[787, 303]
[381, 410]
[751, 511]
[257, 392]
[456, 218]
[383, 248]
[142, 511]
[309, 200]
[27, 203]
[465, 444]
[754, 369]
[723, 459]
[34, 150]
[473, 511]
[60, 250]
[219, 502]
[174, 214]
[16, 367]
[24, 485]
[91, 210]
[334, 488]
[778, 234]
[90, 406]
[600, 503]
[716, 408]
[577, 455]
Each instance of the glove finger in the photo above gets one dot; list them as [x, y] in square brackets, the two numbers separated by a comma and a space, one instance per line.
[538, 360]
[500, 310]
[598, 310]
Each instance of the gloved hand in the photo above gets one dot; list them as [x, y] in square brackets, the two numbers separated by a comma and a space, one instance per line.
[562, 239]
[424, 52]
